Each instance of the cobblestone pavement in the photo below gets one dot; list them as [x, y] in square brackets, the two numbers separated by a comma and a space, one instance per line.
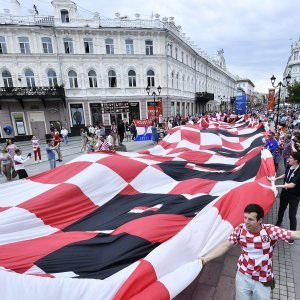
[217, 280]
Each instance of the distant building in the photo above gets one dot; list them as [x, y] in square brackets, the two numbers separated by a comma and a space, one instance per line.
[69, 71]
[247, 86]
[292, 67]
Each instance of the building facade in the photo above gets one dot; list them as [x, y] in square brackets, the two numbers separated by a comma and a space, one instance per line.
[72, 72]
[292, 68]
[247, 86]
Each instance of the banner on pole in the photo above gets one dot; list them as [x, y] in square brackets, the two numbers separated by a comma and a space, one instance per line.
[240, 105]
[271, 99]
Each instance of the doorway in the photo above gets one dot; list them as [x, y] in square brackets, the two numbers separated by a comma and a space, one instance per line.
[37, 123]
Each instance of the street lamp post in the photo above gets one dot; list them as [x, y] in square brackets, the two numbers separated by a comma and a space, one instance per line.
[280, 84]
[154, 95]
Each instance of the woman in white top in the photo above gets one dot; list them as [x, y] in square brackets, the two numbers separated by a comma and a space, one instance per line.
[36, 149]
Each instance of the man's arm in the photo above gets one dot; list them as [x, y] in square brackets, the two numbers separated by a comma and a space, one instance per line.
[290, 185]
[216, 252]
[295, 235]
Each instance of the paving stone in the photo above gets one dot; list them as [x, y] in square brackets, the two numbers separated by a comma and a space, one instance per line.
[203, 292]
[225, 289]
[211, 274]
[182, 297]
[230, 266]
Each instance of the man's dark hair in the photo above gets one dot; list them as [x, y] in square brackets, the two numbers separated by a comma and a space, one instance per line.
[296, 155]
[250, 208]
[48, 141]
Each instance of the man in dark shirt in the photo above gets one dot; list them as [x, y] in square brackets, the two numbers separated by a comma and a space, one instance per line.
[121, 131]
[290, 194]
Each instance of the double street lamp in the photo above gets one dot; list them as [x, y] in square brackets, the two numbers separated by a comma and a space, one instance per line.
[280, 84]
[154, 95]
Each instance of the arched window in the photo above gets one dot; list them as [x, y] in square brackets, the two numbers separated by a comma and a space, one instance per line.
[172, 79]
[177, 80]
[112, 78]
[30, 81]
[92, 79]
[7, 79]
[73, 79]
[131, 78]
[52, 78]
[150, 78]
[109, 45]
[183, 82]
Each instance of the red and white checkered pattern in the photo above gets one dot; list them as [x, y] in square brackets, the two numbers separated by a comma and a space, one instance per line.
[257, 249]
[34, 212]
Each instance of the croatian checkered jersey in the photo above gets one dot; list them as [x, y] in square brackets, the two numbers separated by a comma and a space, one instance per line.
[257, 249]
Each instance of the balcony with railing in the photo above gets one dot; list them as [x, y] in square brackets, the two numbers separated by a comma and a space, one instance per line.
[37, 92]
[26, 20]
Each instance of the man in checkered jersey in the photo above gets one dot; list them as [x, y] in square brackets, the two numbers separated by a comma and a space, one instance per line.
[254, 275]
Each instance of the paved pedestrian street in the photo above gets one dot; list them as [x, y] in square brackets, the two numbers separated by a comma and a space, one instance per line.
[217, 280]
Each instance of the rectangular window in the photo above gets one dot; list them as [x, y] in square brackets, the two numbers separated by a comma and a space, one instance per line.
[129, 47]
[47, 45]
[110, 49]
[150, 81]
[24, 45]
[149, 47]
[64, 16]
[88, 45]
[296, 55]
[109, 46]
[68, 44]
[52, 81]
[8, 82]
[132, 81]
[112, 81]
[182, 56]
[73, 82]
[3, 48]
[93, 82]
[19, 123]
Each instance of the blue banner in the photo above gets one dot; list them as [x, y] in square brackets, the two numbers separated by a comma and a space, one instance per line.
[240, 105]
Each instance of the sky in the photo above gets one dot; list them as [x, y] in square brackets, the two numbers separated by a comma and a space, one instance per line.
[256, 35]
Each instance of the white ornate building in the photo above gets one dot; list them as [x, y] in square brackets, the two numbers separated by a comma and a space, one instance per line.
[292, 67]
[77, 72]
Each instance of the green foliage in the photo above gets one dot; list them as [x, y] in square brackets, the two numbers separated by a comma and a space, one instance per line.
[294, 92]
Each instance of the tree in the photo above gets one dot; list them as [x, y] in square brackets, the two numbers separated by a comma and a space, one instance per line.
[294, 92]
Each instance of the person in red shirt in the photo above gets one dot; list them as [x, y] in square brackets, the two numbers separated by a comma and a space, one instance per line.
[56, 139]
[103, 144]
[254, 278]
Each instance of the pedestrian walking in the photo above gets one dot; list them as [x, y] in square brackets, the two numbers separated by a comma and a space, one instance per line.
[290, 193]
[19, 162]
[121, 131]
[11, 147]
[84, 140]
[50, 148]
[64, 133]
[36, 149]
[254, 278]
[6, 164]
[114, 133]
[133, 131]
[57, 141]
